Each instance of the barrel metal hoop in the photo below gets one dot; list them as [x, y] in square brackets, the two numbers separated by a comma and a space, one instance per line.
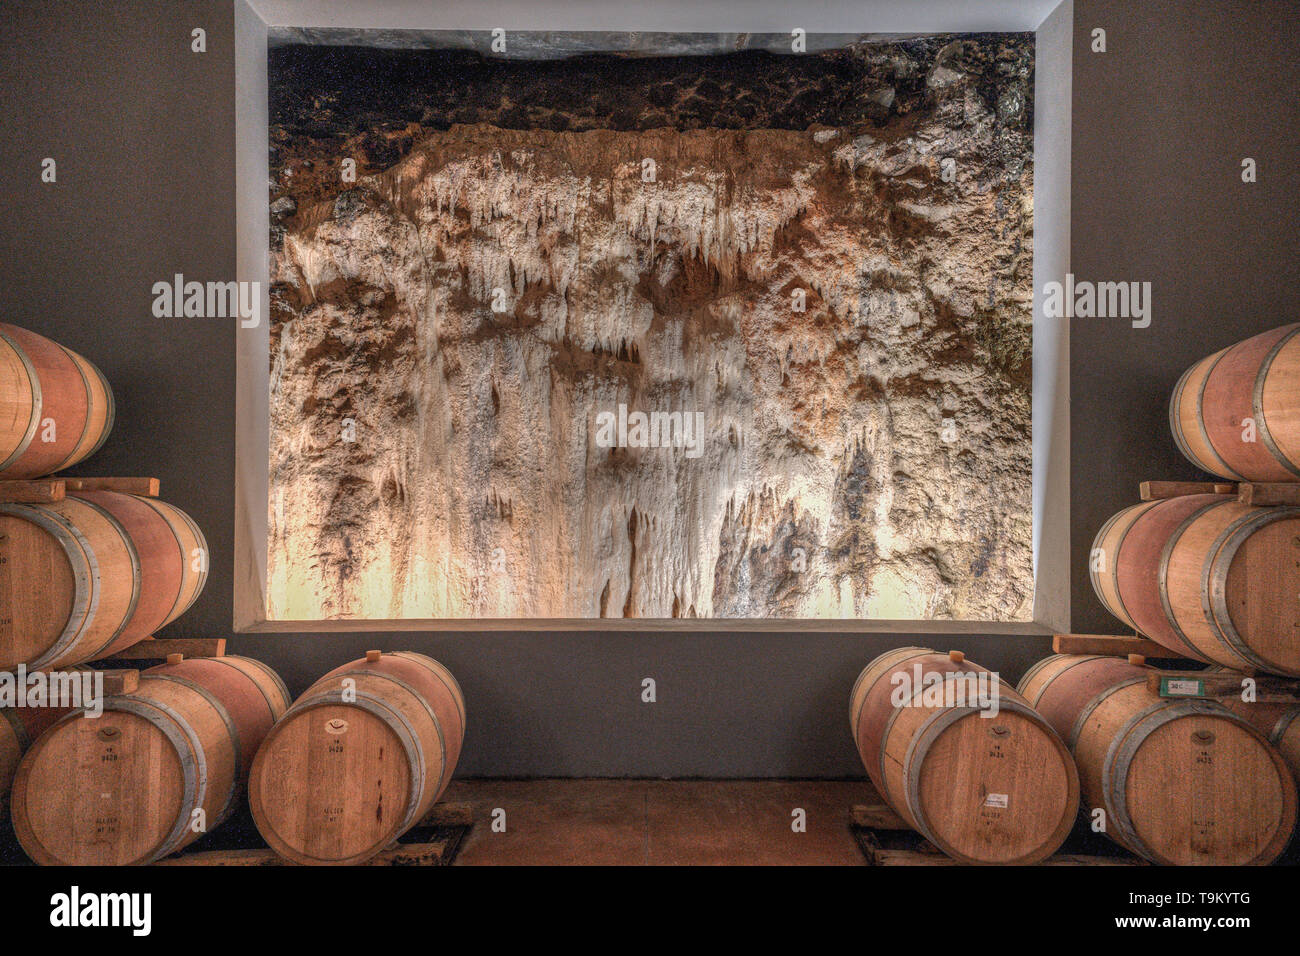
[1200, 419]
[19, 729]
[71, 458]
[442, 674]
[863, 674]
[1257, 403]
[231, 730]
[270, 704]
[396, 722]
[86, 579]
[37, 402]
[1175, 425]
[1214, 579]
[1114, 565]
[110, 415]
[1077, 729]
[1283, 725]
[176, 610]
[136, 576]
[1162, 576]
[1029, 674]
[194, 768]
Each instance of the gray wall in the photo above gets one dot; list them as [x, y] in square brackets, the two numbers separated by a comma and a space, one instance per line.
[143, 131]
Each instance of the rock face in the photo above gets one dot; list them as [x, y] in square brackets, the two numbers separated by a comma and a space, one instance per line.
[462, 341]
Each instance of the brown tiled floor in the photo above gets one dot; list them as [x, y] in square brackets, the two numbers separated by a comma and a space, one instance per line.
[631, 822]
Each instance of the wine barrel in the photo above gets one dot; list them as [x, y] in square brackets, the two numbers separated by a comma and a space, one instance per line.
[1181, 781]
[56, 408]
[1215, 400]
[19, 726]
[1207, 577]
[160, 767]
[358, 759]
[92, 574]
[999, 789]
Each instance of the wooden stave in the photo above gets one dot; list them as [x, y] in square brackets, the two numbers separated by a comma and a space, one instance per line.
[1096, 754]
[188, 536]
[1185, 405]
[100, 411]
[1280, 723]
[1278, 380]
[898, 782]
[160, 563]
[1137, 563]
[1110, 540]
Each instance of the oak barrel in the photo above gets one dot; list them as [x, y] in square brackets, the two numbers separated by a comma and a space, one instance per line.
[1000, 789]
[1208, 577]
[1236, 413]
[92, 574]
[1180, 781]
[160, 767]
[56, 408]
[358, 759]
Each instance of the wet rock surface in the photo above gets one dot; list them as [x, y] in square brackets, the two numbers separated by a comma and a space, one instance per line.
[839, 283]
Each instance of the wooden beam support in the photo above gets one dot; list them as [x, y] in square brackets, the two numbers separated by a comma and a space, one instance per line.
[147, 487]
[120, 680]
[1157, 490]
[1268, 493]
[1223, 685]
[876, 816]
[42, 491]
[1118, 645]
[160, 648]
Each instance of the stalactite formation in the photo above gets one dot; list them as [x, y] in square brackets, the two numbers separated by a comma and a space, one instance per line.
[848, 323]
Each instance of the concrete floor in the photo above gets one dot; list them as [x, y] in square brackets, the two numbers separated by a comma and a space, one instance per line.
[660, 822]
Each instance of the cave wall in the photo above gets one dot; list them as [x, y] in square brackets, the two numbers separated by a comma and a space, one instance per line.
[144, 131]
[504, 275]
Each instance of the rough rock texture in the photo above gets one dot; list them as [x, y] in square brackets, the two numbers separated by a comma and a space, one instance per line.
[866, 457]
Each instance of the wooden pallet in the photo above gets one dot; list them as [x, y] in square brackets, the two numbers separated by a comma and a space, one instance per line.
[450, 823]
[166, 648]
[886, 840]
[1111, 645]
[1224, 685]
[1258, 493]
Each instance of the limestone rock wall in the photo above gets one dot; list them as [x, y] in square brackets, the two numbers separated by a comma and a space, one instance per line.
[448, 330]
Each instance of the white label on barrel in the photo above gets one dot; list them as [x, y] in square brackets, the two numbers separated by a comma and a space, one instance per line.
[1183, 688]
[996, 800]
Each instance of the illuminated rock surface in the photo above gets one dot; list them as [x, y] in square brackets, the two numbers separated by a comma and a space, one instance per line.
[866, 457]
